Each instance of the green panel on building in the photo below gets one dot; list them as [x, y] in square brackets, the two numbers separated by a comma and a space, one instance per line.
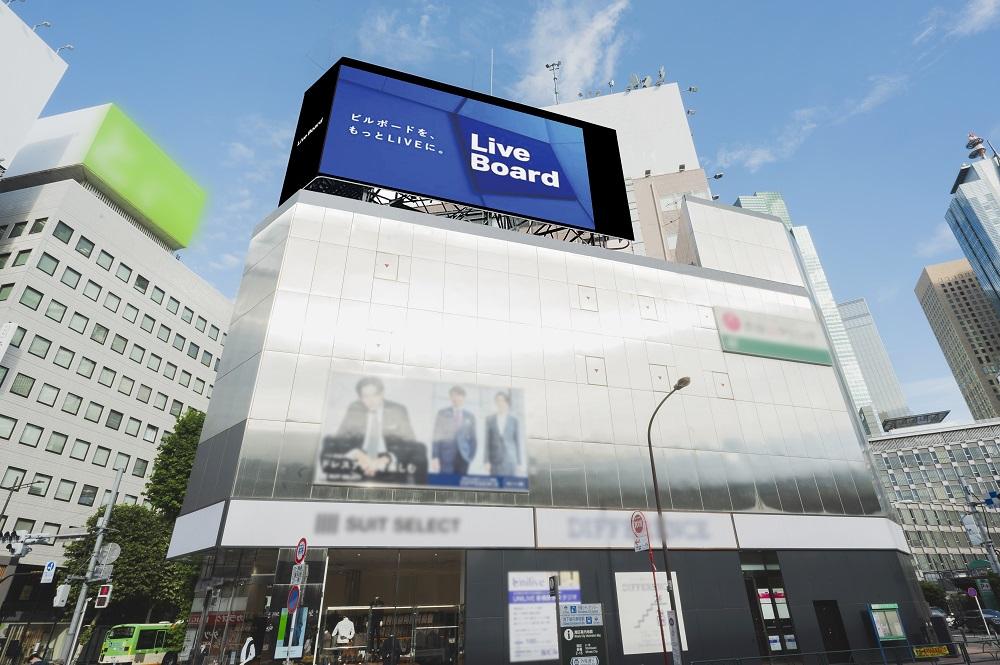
[131, 164]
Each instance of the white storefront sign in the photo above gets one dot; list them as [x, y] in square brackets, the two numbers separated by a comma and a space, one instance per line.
[637, 614]
[531, 613]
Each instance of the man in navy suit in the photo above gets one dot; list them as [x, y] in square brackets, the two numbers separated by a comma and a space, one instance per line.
[454, 444]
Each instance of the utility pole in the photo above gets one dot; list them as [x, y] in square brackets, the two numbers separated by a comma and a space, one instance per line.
[81, 600]
[554, 68]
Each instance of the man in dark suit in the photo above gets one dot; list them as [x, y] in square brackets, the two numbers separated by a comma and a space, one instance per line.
[454, 444]
[375, 441]
[503, 440]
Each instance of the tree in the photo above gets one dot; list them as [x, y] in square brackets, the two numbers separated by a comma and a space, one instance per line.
[934, 594]
[172, 467]
[145, 583]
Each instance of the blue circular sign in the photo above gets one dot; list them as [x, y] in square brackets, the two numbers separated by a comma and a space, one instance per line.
[293, 598]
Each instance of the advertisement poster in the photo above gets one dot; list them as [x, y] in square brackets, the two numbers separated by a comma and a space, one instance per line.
[396, 431]
[531, 613]
[291, 634]
[637, 611]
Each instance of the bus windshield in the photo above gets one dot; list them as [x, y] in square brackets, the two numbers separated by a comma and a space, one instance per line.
[121, 632]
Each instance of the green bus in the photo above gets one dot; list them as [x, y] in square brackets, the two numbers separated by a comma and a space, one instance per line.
[144, 643]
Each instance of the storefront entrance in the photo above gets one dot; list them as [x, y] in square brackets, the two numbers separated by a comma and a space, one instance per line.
[385, 604]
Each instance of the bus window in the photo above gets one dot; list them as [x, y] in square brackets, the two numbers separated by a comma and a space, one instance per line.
[121, 633]
[161, 637]
[147, 639]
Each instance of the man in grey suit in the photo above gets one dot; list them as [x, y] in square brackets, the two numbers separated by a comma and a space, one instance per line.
[503, 435]
[454, 444]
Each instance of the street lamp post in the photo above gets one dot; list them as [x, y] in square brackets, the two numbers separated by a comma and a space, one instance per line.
[675, 643]
[10, 493]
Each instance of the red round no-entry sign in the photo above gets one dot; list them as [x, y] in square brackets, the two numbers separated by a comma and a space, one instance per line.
[300, 551]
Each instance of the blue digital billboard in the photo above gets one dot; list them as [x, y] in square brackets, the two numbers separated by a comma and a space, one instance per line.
[373, 126]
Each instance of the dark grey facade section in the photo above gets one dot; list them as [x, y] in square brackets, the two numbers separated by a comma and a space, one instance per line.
[214, 471]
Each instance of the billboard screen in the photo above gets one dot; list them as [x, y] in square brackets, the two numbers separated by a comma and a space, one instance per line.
[375, 126]
[395, 431]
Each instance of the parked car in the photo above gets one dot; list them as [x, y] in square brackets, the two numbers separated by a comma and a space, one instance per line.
[973, 622]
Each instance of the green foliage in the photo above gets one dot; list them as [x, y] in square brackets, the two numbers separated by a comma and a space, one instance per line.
[934, 594]
[172, 467]
[144, 581]
[175, 636]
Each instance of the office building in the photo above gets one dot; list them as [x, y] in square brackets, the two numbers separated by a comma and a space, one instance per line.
[926, 475]
[108, 336]
[29, 72]
[768, 203]
[968, 330]
[876, 367]
[974, 218]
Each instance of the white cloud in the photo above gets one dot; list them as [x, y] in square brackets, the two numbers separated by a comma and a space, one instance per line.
[226, 261]
[795, 132]
[585, 36]
[409, 36]
[941, 241]
[239, 153]
[937, 393]
[883, 87]
[975, 17]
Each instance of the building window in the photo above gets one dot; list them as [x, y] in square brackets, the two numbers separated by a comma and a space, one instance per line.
[40, 485]
[86, 367]
[187, 315]
[200, 324]
[148, 323]
[111, 302]
[172, 305]
[47, 264]
[106, 377]
[193, 350]
[185, 379]
[175, 408]
[150, 434]
[18, 337]
[137, 353]
[154, 362]
[12, 477]
[121, 461]
[64, 357]
[93, 412]
[213, 333]
[39, 347]
[48, 394]
[24, 524]
[179, 342]
[55, 311]
[124, 273]
[72, 403]
[157, 295]
[84, 246]
[144, 393]
[114, 420]
[21, 257]
[78, 322]
[30, 435]
[125, 385]
[141, 284]
[118, 344]
[101, 456]
[139, 467]
[163, 333]
[170, 371]
[63, 232]
[80, 449]
[57, 443]
[160, 402]
[5, 290]
[70, 277]
[38, 225]
[105, 260]
[22, 385]
[5, 257]
[99, 334]
[64, 490]
[132, 426]
[31, 298]
[17, 230]
[7, 425]
[88, 494]
[130, 313]
[92, 290]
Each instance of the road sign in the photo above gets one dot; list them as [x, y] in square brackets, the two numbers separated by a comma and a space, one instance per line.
[641, 531]
[62, 595]
[971, 592]
[49, 572]
[293, 598]
[109, 553]
[300, 551]
[300, 572]
[580, 614]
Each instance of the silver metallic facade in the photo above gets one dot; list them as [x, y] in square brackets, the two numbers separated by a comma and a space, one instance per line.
[886, 392]
[974, 218]
[593, 338]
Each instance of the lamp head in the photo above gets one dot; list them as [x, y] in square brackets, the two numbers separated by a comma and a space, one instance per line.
[682, 382]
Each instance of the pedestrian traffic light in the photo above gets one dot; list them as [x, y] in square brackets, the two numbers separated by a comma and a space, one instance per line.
[103, 596]
[62, 595]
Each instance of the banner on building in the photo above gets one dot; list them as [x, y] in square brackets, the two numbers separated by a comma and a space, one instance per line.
[637, 613]
[770, 336]
[399, 431]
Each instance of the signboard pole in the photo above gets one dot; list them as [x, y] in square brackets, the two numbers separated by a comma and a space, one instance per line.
[554, 592]
[659, 608]
[979, 606]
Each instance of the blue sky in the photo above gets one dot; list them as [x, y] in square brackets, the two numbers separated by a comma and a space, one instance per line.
[857, 112]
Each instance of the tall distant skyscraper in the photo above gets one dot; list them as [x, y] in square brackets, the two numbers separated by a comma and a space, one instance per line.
[873, 359]
[769, 203]
[974, 218]
[772, 203]
[968, 330]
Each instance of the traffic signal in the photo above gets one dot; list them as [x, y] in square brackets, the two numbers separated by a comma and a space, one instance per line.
[14, 543]
[103, 596]
[62, 595]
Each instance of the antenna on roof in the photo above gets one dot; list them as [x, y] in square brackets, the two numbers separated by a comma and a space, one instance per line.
[611, 85]
[633, 82]
[661, 76]
[647, 81]
[554, 68]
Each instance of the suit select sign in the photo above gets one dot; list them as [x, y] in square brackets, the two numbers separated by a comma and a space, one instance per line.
[397, 431]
